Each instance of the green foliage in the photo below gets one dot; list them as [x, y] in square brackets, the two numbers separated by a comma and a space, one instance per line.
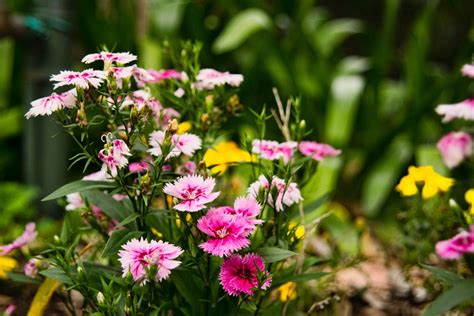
[461, 292]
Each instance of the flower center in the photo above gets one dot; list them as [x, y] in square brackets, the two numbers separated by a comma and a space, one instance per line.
[222, 232]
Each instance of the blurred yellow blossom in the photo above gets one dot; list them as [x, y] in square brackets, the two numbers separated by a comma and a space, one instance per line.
[469, 197]
[287, 291]
[156, 233]
[433, 183]
[7, 264]
[183, 127]
[223, 154]
[299, 230]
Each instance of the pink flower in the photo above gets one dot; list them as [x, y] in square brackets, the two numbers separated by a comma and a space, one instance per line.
[189, 167]
[84, 79]
[455, 247]
[31, 268]
[28, 236]
[318, 151]
[185, 144]
[164, 74]
[179, 92]
[114, 156]
[53, 103]
[100, 175]
[247, 208]
[272, 150]
[74, 202]
[286, 194]
[267, 149]
[463, 110]
[109, 58]
[454, 148]
[141, 76]
[208, 79]
[193, 191]
[228, 233]
[138, 256]
[468, 70]
[140, 166]
[9, 310]
[240, 275]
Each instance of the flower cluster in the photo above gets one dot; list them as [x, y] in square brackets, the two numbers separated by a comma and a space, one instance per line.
[277, 192]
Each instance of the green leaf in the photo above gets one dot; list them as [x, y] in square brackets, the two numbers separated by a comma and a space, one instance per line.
[443, 275]
[11, 122]
[117, 239]
[329, 35]
[298, 278]
[189, 287]
[78, 186]
[274, 254]
[462, 292]
[21, 278]
[114, 209]
[56, 274]
[240, 28]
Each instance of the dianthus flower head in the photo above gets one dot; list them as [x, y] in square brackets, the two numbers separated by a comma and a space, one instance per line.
[108, 58]
[244, 275]
[454, 148]
[52, 103]
[462, 110]
[83, 79]
[433, 183]
[138, 256]
[228, 233]
[28, 235]
[468, 70]
[458, 245]
[114, 156]
[285, 194]
[186, 144]
[208, 79]
[318, 151]
[273, 150]
[165, 74]
[193, 191]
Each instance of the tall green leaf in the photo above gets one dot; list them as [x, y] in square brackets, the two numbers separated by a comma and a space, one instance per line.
[78, 186]
[108, 205]
[274, 254]
[461, 292]
[117, 239]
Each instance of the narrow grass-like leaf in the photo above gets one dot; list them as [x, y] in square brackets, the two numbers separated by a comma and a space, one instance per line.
[78, 186]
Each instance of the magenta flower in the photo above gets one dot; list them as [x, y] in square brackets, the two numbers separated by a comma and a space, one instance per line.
[455, 247]
[463, 110]
[208, 79]
[247, 208]
[318, 151]
[228, 233]
[241, 275]
[272, 150]
[53, 103]
[10, 310]
[454, 148]
[27, 237]
[114, 156]
[84, 79]
[193, 191]
[140, 166]
[109, 58]
[165, 74]
[286, 150]
[468, 70]
[285, 194]
[186, 144]
[138, 256]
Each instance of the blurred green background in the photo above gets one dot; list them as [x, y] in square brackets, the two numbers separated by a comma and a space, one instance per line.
[369, 73]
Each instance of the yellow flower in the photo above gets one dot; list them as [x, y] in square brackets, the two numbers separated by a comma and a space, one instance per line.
[433, 183]
[184, 127]
[299, 231]
[469, 197]
[7, 264]
[223, 154]
[189, 219]
[287, 291]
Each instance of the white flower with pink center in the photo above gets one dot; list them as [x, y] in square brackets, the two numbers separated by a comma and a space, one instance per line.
[83, 79]
[286, 194]
[454, 148]
[318, 151]
[114, 156]
[108, 58]
[53, 103]
[138, 256]
[193, 192]
[186, 144]
[468, 70]
[208, 79]
[462, 110]
[165, 74]
[272, 150]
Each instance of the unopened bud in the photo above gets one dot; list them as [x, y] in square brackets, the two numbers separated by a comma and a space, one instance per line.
[81, 117]
[100, 298]
[57, 240]
[172, 127]
[209, 102]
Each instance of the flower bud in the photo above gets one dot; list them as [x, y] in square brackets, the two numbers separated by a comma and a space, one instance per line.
[100, 298]
[173, 127]
[209, 102]
[57, 240]
[81, 117]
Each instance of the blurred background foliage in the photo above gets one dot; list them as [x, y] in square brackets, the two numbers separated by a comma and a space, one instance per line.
[369, 76]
